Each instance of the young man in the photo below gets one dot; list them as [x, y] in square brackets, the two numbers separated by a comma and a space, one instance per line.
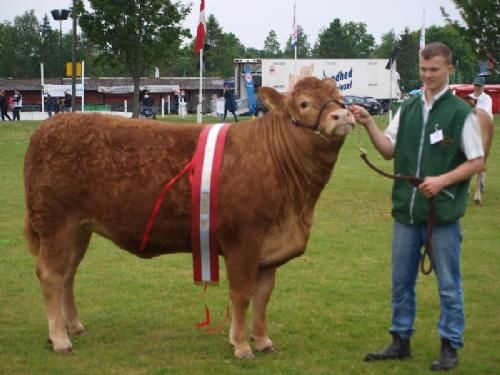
[436, 138]
[483, 100]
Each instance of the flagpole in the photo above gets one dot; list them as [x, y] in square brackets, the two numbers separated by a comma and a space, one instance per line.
[294, 31]
[199, 46]
[200, 97]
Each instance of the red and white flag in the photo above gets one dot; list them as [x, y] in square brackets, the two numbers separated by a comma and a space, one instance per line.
[201, 31]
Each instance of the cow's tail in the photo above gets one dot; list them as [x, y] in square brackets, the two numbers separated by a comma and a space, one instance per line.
[31, 236]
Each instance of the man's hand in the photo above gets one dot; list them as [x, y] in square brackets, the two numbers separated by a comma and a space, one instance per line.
[361, 115]
[432, 185]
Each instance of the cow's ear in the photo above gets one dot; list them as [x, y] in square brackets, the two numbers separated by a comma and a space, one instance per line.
[331, 84]
[271, 98]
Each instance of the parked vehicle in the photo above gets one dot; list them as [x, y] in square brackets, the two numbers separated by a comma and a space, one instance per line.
[376, 106]
[370, 104]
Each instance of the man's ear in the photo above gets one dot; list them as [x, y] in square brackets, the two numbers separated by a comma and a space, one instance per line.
[272, 99]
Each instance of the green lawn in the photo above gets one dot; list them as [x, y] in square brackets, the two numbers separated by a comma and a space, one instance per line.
[328, 309]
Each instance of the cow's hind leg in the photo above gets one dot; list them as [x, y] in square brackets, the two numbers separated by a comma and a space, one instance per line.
[56, 267]
[263, 289]
[78, 249]
[478, 188]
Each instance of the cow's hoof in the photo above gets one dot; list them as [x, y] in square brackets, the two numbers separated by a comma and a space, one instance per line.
[243, 352]
[66, 350]
[268, 350]
[75, 329]
[245, 356]
[477, 201]
[64, 346]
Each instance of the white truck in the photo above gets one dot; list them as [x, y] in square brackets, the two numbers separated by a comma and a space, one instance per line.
[361, 77]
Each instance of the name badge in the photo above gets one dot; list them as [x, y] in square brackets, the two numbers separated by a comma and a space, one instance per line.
[437, 136]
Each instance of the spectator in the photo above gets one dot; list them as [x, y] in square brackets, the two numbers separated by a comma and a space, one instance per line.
[230, 102]
[18, 103]
[483, 100]
[67, 101]
[57, 105]
[148, 105]
[50, 104]
[4, 105]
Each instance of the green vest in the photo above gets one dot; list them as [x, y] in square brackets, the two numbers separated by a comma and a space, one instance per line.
[415, 156]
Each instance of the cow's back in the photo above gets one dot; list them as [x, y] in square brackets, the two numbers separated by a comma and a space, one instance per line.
[106, 173]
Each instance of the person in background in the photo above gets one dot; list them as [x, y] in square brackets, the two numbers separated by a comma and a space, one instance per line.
[4, 105]
[57, 105]
[483, 100]
[67, 101]
[435, 137]
[148, 105]
[230, 102]
[18, 103]
[50, 104]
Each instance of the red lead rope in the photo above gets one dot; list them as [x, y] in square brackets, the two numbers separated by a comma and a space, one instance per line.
[208, 320]
[159, 201]
[145, 239]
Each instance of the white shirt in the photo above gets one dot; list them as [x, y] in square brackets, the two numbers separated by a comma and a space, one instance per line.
[484, 102]
[471, 143]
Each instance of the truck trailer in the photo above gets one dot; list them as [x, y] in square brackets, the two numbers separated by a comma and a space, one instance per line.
[360, 77]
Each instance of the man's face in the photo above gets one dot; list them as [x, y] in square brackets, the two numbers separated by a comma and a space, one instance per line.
[434, 73]
[478, 90]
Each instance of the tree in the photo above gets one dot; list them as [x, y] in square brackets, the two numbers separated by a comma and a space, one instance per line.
[136, 34]
[350, 40]
[407, 62]
[49, 50]
[483, 27]
[464, 58]
[303, 45]
[27, 42]
[9, 51]
[389, 41]
[271, 45]
[218, 57]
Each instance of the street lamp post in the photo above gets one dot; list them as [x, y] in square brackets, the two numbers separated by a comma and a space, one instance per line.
[60, 15]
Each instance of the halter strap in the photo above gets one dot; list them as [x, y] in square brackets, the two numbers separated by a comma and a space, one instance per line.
[316, 124]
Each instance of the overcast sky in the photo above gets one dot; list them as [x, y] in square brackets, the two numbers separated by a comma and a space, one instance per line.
[251, 20]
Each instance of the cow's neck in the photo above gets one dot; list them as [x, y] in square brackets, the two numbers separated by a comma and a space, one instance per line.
[304, 159]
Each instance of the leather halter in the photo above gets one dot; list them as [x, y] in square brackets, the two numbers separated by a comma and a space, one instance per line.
[431, 217]
[315, 126]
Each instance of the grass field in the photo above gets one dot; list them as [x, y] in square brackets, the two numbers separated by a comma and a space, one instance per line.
[328, 309]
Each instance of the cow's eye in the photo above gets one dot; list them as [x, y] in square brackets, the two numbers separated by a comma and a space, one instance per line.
[304, 105]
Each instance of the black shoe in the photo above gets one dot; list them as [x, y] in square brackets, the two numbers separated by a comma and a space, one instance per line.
[398, 349]
[448, 357]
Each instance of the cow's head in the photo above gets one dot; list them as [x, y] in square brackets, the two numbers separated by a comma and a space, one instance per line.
[314, 103]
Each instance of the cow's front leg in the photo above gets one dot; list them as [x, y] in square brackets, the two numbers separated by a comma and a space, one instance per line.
[241, 276]
[263, 289]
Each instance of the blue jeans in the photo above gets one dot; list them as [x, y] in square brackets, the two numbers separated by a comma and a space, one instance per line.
[408, 241]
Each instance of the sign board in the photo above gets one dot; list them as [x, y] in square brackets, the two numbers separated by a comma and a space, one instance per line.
[69, 69]
[58, 90]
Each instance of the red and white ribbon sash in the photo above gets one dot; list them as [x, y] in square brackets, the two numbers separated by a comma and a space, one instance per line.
[205, 175]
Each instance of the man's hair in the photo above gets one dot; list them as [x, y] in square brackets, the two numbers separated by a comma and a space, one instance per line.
[436, 49]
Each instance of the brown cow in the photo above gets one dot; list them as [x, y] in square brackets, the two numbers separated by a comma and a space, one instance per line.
[88, 173]
[487, 129]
